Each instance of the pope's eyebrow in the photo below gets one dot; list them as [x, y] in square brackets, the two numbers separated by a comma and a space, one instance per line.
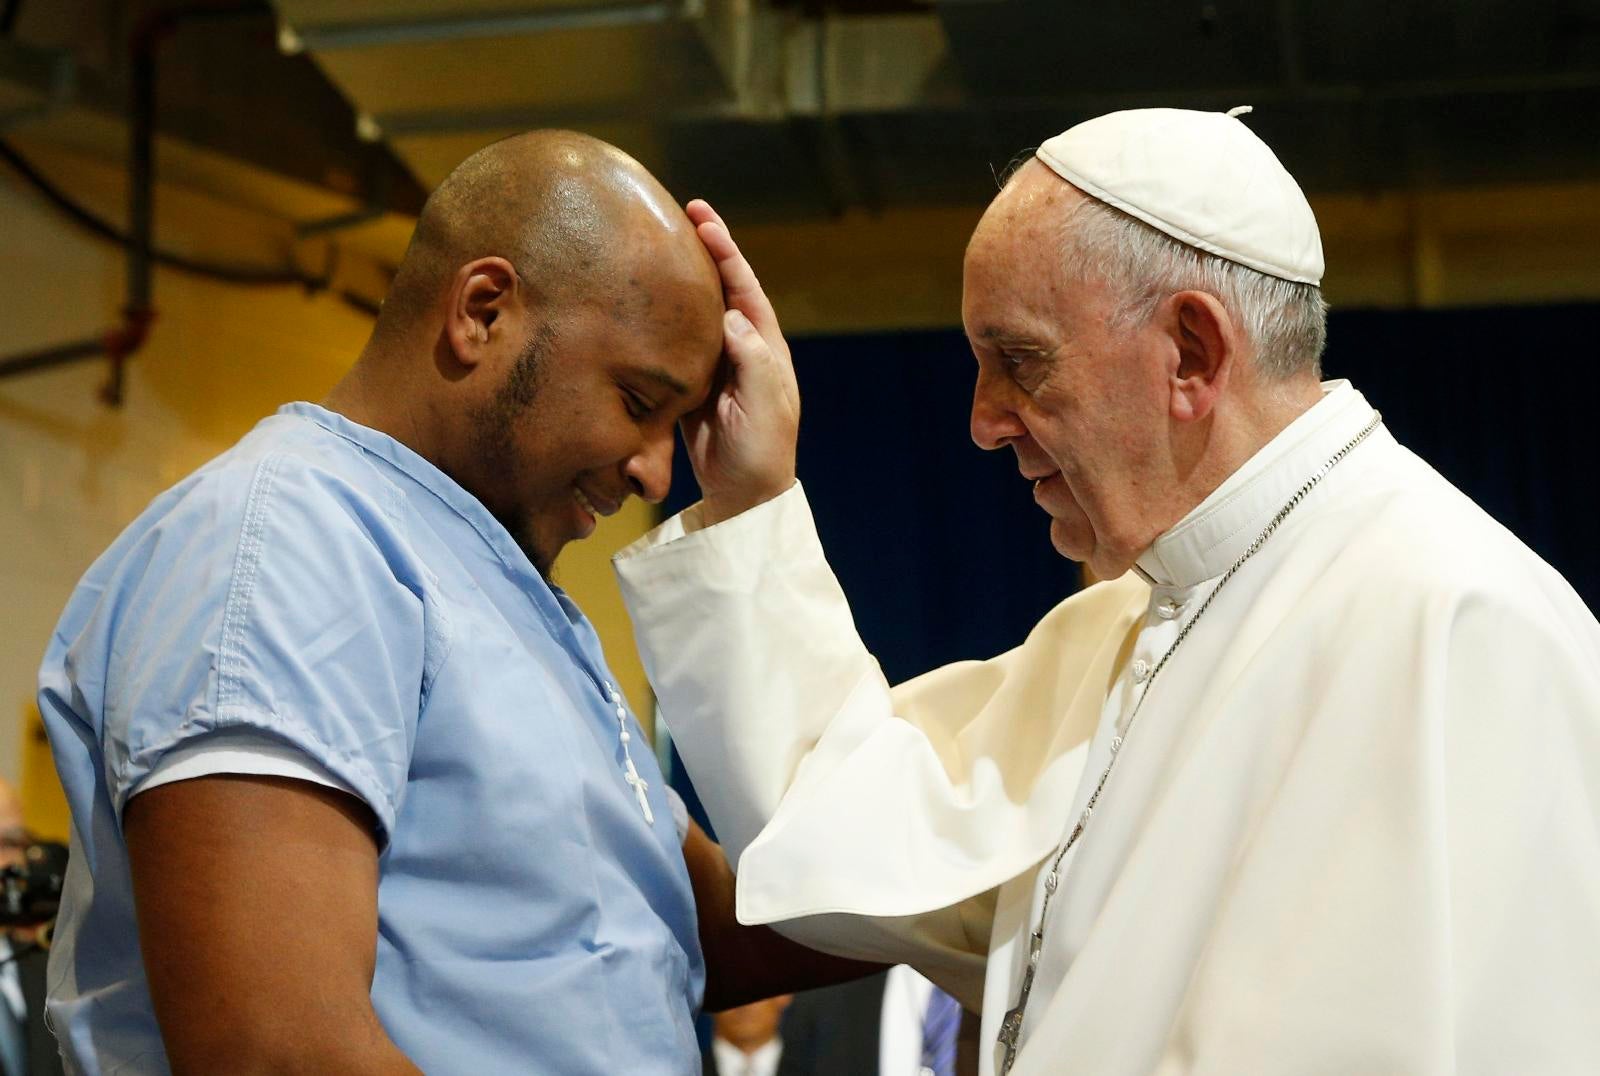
[1009, 338]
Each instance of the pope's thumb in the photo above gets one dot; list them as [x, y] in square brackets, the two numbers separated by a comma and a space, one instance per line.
[743, 342]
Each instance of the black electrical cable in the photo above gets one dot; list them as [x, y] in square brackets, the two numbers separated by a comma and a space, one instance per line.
[8, 17]
[230, 274]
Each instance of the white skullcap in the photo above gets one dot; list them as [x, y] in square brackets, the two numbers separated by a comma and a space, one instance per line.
[1204, 178]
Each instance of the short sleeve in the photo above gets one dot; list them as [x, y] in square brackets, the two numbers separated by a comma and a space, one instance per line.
[298, 609]
[238, 751]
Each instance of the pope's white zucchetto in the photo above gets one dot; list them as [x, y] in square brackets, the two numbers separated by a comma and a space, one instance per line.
[1203, 178]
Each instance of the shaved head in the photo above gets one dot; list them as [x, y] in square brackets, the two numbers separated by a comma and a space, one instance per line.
[564, 208]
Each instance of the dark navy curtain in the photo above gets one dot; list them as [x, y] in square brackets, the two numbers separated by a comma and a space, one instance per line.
[945, 556]
[1499, 400]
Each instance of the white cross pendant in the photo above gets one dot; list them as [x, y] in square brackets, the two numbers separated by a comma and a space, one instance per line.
[640, 786]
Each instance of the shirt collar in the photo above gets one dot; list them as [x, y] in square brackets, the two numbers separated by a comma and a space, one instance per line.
[730, 1059]
[1204, 543]
[565, 614]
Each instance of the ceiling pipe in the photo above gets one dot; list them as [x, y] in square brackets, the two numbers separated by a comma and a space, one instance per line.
[359, 35]
[120, 342]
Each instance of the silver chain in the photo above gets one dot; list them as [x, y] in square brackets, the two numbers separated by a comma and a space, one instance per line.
[1011, 1025]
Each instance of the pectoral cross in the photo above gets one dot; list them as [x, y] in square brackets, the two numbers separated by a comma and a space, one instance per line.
[1011, 1026]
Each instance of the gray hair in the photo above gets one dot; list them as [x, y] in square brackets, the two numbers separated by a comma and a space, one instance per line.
[1285, 322]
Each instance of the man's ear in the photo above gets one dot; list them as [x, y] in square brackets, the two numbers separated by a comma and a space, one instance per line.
[1207, 344]
[485, 299]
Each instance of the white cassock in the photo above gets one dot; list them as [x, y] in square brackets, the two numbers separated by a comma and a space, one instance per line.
[1355, 829]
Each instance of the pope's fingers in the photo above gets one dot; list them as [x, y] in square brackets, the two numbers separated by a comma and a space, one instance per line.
[718, 241]
[742, 343]
[740, 285]
[738, 276]
[700, 211]
[760, 374]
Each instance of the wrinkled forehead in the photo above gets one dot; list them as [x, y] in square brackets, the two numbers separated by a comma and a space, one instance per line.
[1016, 251]
[1026, 220]
[1016, 283]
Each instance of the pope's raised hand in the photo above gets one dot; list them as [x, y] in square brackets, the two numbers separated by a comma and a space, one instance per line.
[741, 443]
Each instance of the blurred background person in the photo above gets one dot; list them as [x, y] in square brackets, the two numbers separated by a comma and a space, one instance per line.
[745, 1040]
[26, 1046]
[895, 1023]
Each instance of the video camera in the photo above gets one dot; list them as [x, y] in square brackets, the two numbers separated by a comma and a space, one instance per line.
[30, 891]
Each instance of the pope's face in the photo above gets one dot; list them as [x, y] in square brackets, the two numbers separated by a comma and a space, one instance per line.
[589, 419]
[1080, 402]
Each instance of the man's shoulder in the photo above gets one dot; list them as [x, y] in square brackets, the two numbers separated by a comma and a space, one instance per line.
[285, 463]
[285, 489]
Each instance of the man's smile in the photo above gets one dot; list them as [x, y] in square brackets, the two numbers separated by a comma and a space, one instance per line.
[595, 504]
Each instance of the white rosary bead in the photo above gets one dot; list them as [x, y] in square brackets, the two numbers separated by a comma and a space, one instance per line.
[624, 737]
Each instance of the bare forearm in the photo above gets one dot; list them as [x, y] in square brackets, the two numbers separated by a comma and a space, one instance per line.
[744, 963]
[356, 1051]
[761, 963]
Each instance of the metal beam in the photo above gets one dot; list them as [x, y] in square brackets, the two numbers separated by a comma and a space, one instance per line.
[528, 117]
[799, 68]
[360, 35]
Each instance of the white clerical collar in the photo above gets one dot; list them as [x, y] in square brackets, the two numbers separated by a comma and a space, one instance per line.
[1212, 536]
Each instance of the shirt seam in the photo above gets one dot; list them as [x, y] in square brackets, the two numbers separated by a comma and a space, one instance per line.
[242, 587]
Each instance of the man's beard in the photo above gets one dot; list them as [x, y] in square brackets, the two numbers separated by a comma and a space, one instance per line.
[495, 446]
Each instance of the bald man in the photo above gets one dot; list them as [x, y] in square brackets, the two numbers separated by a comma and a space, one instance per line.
[353, 788]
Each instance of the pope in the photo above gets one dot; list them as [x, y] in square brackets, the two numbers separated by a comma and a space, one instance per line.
[1310, 784]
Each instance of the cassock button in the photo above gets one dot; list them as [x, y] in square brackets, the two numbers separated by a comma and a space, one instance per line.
[1141, 670]
[1169, 609]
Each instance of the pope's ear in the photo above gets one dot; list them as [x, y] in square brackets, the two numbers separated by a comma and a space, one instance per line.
[1207, 344]
[485, 297]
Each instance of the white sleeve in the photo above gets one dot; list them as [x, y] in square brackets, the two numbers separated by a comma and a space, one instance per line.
[830, 792]
[242, 751]
[862, 822]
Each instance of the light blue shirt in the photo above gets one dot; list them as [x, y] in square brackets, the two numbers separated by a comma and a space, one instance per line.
[322, 583]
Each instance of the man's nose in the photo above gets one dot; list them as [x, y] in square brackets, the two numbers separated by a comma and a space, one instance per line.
[994, 422]
[649, 471]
